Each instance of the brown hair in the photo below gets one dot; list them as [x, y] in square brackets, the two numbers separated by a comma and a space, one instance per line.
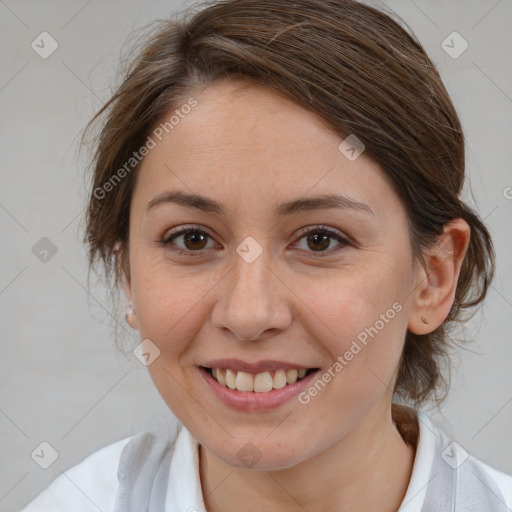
[354, 66]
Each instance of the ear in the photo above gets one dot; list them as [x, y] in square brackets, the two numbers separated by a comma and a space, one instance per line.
[124, 264]
[436, 282]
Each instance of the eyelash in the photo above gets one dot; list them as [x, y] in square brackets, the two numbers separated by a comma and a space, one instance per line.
[166, 241]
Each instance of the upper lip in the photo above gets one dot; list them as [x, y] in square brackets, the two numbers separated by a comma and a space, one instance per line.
[259, 367]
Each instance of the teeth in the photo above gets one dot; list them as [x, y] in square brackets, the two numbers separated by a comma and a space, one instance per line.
[243, 382]
[230, 379]
[221, 377]
[279, 379]
[263, 382]
[260, 383]
[291, 376]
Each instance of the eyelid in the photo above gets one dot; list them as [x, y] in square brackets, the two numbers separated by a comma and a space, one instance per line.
[320, 227]
[343, 239]
[182, 230]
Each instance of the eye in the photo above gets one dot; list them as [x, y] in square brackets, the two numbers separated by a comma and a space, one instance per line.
[193, 239]
[319, 238]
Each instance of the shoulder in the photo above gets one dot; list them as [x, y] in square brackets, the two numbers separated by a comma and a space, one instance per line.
[444, 473]
[90, 485]
[502, 480]
[470, 471]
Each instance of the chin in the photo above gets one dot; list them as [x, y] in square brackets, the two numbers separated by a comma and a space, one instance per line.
[260, 455]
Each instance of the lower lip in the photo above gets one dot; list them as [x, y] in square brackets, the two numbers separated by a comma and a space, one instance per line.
[249, 401]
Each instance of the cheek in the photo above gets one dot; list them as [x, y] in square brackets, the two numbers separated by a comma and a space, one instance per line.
[361, 321]
[169, 307]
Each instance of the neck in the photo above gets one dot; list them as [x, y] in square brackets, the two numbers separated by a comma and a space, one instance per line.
[368, 469]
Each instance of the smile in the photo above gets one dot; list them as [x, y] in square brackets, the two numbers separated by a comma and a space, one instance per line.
[262, 382]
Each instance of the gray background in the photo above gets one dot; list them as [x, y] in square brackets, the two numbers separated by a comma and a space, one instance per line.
[62, 379]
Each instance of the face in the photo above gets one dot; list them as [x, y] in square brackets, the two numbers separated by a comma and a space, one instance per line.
[266, 288]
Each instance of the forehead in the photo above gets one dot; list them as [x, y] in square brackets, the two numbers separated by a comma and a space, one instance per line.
[246, 145]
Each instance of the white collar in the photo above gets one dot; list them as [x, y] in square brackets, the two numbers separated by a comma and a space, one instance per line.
[184, 488]
[418, 484]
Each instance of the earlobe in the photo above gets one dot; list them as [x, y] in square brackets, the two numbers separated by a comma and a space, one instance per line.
[131, 318]
[130, 315]
[436, 282]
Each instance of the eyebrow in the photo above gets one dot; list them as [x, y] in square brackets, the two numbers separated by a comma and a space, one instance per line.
[207, 204]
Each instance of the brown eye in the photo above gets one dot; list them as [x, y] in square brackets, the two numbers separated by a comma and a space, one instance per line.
[192, 240]
[318, 239]
[318, 242]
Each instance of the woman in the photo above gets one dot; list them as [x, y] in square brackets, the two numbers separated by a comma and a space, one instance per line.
[277, 190]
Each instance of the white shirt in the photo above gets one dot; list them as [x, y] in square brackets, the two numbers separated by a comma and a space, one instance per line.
[92, 484]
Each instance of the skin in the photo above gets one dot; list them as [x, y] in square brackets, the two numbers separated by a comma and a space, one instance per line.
[251, 149]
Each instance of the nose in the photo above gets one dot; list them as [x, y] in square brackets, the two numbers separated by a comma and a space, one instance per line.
[252, 302]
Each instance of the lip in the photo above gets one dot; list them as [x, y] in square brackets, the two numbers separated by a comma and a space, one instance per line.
[249, 401]
[267, 365]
